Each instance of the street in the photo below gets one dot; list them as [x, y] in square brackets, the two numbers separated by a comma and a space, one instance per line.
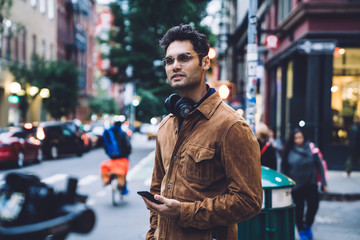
[130, 220]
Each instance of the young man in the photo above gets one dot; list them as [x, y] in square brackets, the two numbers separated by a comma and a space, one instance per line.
[207, 165]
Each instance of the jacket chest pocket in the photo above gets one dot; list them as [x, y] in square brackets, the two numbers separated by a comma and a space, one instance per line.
[199, 167]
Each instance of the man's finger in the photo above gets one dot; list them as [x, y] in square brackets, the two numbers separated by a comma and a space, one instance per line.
[161, 199]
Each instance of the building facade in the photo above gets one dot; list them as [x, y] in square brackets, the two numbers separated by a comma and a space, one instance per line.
[312, 76]
[76, 42]
[23, 36]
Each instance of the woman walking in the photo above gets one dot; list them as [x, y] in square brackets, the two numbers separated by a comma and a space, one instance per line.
[300, 164]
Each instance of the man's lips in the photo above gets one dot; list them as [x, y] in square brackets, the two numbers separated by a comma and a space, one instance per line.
[177, 75]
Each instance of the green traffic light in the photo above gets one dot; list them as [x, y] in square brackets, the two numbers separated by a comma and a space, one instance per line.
[13, 99]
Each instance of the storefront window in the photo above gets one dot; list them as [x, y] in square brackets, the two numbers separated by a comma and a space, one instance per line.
[345, 90]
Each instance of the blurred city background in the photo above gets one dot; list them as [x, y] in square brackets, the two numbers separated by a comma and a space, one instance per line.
[69, 67]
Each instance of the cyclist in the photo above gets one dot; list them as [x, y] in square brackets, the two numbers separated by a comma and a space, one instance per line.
[118, 147]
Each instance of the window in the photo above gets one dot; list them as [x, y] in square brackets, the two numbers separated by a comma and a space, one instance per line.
[51, 51]
[42, 6]
[345, 92]
[23, 46]
[284, 8]
[33, 3]
[8, 47]
[34, 44]
[16, 48]
[51, 9]
[43, 48]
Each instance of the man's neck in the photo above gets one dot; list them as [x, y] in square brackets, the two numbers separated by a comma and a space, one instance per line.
[195, 94]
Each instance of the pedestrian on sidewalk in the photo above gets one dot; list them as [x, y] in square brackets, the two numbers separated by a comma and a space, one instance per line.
[267, 149]
[300, 164]
[207, 170]
[354, 147]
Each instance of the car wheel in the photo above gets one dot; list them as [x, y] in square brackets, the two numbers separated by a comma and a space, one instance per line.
[20, 160]
[54, 152]
[80, 150]
[40, 156]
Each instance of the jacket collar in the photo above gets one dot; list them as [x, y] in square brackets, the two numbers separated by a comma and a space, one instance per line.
[209, 106]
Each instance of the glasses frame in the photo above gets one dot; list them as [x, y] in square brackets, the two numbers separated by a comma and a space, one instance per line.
[181, 63]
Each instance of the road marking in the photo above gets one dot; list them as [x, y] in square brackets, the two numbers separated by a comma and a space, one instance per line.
[102, 193]
[55, 178]
[138, 166]
[88, 180]
[147, 182]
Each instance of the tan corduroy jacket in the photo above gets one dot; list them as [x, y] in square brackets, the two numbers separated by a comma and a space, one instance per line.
[212, 166]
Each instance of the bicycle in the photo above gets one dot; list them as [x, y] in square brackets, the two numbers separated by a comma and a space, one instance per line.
[117, 194]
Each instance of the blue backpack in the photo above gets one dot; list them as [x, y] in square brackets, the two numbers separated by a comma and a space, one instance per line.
[111, 145]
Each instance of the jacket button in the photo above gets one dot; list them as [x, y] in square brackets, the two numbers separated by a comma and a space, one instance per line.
[169, 185]
[175, 158]
[176, 131]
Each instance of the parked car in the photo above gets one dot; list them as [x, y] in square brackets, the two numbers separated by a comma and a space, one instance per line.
[150, 130]
[19, 147]
[59, 138]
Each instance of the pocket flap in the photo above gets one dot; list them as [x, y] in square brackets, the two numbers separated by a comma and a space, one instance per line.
[199, 153]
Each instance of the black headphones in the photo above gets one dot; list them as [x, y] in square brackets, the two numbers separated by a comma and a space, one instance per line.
[178, 106]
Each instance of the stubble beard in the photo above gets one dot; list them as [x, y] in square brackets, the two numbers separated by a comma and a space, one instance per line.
[185, 86]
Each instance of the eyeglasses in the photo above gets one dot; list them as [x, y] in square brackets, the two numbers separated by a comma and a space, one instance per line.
[182, 59]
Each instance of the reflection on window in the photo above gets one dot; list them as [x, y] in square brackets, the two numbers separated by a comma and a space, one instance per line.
[345, 90]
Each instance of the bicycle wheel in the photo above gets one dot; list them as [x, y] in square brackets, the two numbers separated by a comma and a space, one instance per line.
[116, 194]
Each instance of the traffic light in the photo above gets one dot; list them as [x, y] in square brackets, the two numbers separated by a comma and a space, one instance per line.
[14, 99]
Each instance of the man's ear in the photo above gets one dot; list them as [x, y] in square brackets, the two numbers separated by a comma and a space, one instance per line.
[206, 63]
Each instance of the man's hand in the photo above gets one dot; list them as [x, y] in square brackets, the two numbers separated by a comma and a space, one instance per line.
[169, 209]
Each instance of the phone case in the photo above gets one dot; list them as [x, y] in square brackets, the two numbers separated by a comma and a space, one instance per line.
[149, 196]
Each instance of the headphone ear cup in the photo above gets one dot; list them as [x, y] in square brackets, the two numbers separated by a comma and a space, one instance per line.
[170, 103]
[183, 107]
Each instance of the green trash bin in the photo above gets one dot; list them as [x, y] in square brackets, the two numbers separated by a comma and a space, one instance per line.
[276, 220]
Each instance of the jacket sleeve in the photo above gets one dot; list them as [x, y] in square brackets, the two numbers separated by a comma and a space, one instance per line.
[240, 157]
[158, 175]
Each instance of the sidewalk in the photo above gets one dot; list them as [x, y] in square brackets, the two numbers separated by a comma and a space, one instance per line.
[342, 188]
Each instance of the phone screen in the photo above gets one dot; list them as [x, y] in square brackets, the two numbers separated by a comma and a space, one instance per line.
[149, 196]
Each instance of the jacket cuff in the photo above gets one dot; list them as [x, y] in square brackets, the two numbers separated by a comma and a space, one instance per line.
[186, 214]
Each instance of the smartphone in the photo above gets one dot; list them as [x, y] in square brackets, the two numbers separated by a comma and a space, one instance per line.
[149, 196]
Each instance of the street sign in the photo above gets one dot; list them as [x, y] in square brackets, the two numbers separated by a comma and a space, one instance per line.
[271, 41]
[316, 46]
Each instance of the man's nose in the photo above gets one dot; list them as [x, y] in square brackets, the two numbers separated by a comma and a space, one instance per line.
[176, 64]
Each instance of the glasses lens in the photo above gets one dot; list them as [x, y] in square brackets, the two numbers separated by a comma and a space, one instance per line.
[183, 58]
[168, 61]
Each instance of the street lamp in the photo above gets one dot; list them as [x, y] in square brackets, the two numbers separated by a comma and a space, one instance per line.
[33, 90]
[14, 87]
[44, 93]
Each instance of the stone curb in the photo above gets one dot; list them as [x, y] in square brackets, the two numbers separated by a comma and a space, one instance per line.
[339, 197]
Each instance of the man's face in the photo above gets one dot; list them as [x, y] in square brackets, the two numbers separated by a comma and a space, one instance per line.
[186, 74]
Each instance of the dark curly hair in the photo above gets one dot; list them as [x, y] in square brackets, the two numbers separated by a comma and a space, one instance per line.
[186, 32]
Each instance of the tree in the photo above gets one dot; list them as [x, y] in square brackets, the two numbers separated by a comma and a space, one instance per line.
[134, 44]
[60, 77]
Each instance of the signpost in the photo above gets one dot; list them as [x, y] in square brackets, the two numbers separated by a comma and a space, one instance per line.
[252, 59]
[315, 46]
